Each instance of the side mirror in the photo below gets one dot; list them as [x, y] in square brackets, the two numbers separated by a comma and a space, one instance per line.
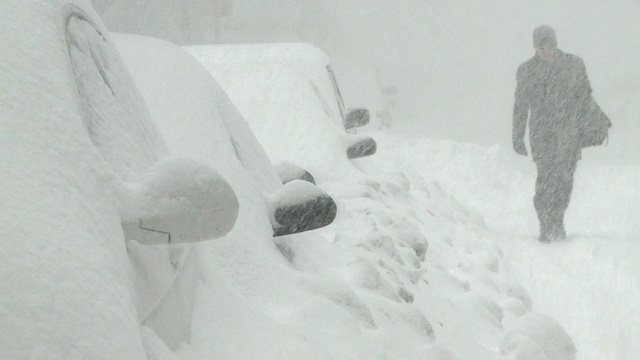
[288, 171]
[356, 118]
[179, 201]
[300, 206]
[362, 148]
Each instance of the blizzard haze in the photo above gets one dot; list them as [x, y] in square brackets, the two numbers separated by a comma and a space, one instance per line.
[453, 64]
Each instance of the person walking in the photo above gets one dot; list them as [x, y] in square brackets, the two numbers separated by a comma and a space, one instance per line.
[552, 92]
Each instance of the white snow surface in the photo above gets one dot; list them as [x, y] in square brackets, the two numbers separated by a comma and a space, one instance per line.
[433, 253]
[284, 92]
[586, 283]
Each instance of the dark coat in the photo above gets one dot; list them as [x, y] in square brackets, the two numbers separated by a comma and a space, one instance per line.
[551, 96]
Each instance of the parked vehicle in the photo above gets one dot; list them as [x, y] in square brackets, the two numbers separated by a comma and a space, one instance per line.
[86, 179]
[212, 130]
[290, 97]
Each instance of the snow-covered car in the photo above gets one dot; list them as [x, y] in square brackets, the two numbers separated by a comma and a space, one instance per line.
[211, 129]
[291, 100]
[86, 180]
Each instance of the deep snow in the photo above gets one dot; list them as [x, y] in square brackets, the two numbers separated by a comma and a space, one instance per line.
[587, 283]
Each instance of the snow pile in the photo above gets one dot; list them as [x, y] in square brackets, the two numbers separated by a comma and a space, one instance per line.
[411, 246]
[483, 178]
[595, 269]
[535, 336]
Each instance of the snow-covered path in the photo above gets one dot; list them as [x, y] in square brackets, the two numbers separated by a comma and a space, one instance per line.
[591, 282]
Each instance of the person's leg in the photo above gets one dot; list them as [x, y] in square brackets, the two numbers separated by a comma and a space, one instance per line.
[543, 198]
[554, 186]
[562, 188]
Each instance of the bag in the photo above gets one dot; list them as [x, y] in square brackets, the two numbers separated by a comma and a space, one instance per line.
[594, 126]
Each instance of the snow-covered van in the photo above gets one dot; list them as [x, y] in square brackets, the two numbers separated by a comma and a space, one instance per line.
[290, 97]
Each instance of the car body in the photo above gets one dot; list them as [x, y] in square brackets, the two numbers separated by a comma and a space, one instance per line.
[291, 100]
[86, 180]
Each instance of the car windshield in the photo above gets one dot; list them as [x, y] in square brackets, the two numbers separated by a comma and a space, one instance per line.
[113, 112]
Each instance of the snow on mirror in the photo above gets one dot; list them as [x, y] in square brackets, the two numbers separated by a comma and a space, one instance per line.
[181, 201]
[300, 206]
[288, 171]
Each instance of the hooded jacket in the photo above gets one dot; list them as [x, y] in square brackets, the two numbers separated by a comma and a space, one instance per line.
[550, 97]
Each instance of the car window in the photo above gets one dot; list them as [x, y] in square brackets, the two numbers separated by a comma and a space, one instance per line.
[336, 89]
[114, 114]
[325, 105]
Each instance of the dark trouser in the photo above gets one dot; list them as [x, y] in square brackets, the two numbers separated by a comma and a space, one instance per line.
[553, 193]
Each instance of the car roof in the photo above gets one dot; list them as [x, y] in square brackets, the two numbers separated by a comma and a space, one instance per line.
[305, 56]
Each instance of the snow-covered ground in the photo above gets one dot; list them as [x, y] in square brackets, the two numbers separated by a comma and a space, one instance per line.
[588, 283]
